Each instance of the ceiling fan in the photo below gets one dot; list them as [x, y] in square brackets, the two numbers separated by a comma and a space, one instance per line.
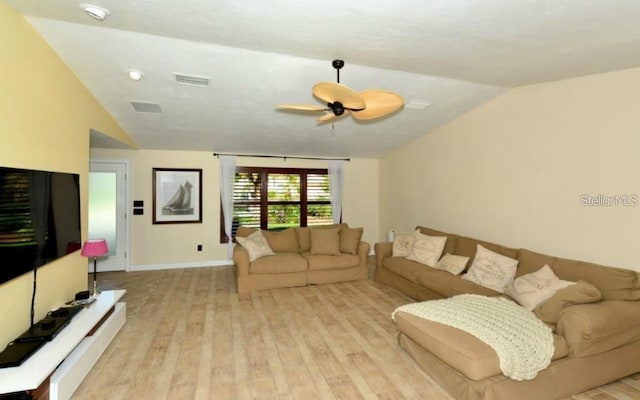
[342, 100]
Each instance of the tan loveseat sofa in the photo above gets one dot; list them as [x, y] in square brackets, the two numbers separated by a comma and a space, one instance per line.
[303, 256]
[594, 343]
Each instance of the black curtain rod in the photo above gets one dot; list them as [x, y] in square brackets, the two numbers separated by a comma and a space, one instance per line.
[283, 157]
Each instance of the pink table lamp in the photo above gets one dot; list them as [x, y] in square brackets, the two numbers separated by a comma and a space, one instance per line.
[95, 248]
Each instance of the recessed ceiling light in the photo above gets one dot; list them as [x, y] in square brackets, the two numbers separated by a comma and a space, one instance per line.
[135, 74]
[97, 12]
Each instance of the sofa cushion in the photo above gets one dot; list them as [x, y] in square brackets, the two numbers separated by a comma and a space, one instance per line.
[279, 263]
[304, 239]
[466, 246]
[491, 269]
[530, 261]
[350, 239]
[461, 350]
[325, 241]
[282, 241]
[450, 246]
[448, 285]
[581, 292]
[402, 244]
[405, 268]
[599, 327]
[325, 262]
[452, 263]
[532, 289]
[427, 249]
[613, 283]
[256, 245]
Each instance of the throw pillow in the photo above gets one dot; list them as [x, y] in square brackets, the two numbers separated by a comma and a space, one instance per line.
[532, 289]
[244, 231]
[285, 241]
[325, 241]
[256, 245]
[581, 292]
[491, 270]
[304, 237]
[402, 244]
[350, 239]
[452, 263]
[426, 249]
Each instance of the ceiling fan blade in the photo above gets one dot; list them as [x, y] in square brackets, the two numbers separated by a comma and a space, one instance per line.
[326, 118]
[378, 104]
[331, 117]
[332, 92]
[301, 107]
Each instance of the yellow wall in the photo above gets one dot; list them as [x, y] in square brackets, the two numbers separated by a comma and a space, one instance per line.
[45, 117]
[514, 171]
[156, 245]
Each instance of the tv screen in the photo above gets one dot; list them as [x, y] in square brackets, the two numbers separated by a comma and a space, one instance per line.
[39, 219]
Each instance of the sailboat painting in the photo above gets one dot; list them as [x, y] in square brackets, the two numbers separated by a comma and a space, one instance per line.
[177, 196]
[180, 203]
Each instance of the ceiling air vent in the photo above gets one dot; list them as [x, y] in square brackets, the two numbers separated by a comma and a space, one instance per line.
[146, 107]
[415, 104]
[192, 80]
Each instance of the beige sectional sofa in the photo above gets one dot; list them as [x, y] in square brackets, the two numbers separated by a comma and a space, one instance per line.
[594, 343]
[300, 257]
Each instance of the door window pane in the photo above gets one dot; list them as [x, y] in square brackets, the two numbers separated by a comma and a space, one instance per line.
[102, 208]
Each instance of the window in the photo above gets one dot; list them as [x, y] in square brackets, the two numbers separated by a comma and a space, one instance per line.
[279, 198]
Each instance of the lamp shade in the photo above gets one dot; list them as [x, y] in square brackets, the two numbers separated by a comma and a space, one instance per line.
[95, 248]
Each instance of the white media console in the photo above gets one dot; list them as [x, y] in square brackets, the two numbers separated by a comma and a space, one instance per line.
[67, 358]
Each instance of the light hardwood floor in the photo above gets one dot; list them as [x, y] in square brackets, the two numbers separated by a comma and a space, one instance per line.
[188, 336]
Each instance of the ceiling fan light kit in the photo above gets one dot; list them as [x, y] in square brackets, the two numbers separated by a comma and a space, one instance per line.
[342, 100]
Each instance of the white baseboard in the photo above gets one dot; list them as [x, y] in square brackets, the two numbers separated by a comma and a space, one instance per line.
[195, 264]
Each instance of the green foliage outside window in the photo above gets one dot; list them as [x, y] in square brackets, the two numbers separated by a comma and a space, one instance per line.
[280, 198]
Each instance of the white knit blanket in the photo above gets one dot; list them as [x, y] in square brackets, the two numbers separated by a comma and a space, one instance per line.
[523, 343]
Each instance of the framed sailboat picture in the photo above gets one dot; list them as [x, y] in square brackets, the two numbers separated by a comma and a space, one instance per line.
[177, 196]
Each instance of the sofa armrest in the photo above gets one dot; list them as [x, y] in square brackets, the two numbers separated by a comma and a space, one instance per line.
[595, 328]
[383, 250]
[241, 260]
[363, 252]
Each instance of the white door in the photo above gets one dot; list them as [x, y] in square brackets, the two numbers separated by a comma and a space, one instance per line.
[108, 212]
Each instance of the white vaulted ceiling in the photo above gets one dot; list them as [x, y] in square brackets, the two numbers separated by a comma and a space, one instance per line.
[453, 54]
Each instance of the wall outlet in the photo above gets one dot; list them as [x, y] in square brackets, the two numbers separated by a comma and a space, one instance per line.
[199, 247]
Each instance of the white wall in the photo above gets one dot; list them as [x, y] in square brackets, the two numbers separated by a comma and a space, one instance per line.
[514, 171]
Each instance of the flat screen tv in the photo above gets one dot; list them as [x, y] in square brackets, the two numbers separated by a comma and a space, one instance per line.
[39, 219]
